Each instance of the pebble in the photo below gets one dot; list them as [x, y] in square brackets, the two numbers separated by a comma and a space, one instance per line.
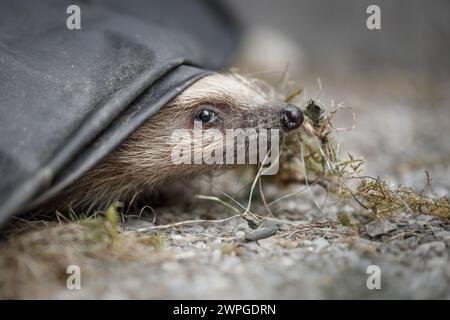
[442, 234]
[267, 243]
[287, 262]
[250, 246]
[428, 238]
[379, 227]
[320, 243]
[137, 224]
[435, 223]
[242, 226]
[342, 229]
[200, 245]
[260, 233]
[176, 237]
[424, 218]
[196, 229]
[239, 234]
[270, 224]
[431, 248]
[285, 227]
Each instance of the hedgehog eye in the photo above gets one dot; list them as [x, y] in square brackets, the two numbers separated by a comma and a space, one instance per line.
[206, 116]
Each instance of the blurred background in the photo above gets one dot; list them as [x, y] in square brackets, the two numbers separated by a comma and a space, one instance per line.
[395, 79]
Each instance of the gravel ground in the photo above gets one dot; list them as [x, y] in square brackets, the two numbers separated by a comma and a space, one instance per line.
[413, 261]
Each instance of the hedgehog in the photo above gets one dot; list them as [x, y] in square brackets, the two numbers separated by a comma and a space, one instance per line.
[142, 164]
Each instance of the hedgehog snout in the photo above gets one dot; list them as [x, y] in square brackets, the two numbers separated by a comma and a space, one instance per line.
[291, 117]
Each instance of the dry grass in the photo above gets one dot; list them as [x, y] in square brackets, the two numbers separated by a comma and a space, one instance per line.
[383, 199]
[36, 255]
[311, 156]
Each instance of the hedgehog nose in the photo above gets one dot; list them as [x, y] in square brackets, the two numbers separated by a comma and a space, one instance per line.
[291, 117]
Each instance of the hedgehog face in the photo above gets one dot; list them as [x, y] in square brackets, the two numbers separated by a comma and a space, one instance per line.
[198, 122]
[231, 101]
[224, 120]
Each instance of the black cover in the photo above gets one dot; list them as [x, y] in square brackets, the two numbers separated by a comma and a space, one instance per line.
[69, 97]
